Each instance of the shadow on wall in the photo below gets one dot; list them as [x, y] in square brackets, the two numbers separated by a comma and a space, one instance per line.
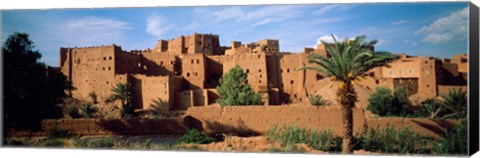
[213, 127]
[139, 126]
[439, 127]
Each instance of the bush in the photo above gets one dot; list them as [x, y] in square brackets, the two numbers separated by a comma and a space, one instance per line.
[88, 110]
[453, 104]
[72, 111]
[383, 103]
[455, 142]
[390, 140]
[196, 137]
[56, 133]
[234, 90]
[108, 142]
[93, 96]
[317, 100]
[290, 135]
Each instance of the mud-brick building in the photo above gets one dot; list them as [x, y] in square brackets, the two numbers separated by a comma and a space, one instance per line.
[185, 71]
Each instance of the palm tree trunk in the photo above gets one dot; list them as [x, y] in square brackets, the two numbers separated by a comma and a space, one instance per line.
[347, 98]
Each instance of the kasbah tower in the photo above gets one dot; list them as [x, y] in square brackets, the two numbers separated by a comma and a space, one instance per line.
[185, 71]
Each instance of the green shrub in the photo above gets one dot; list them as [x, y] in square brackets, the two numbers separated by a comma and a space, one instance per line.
[72, 111]
[390, 140]
[107, 142]
[195, 137]
[453, 104]
[455, 142]
[234, 90]
[289, 135]
[88, 110]
[53, 143]
[385, 103]
[93, 96]
[317, 100]
[56, 133]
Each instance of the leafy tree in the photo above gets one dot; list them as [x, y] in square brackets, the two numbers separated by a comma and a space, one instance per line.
[122, 92]
[380, 102]
[32, 89]
[348, 61]
[233, 89]
[384, 103]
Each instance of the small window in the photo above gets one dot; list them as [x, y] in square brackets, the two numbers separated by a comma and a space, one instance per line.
[377, 82]
[246, 81]
[188, 74]
[428, 85]
[247, 71]
[198, 61]
[103, 68]
[109, 68]
[390, 72]
[259, 81]
[281, 70]
[109, 58]
[259, 70]
[258, 56]
[161, 62]
[288, 70]
[171, 62]
[192, 61]
[107, 82]
[104, 58]
[410, 71]
[291, 81]
[399, 71]
[260, 75]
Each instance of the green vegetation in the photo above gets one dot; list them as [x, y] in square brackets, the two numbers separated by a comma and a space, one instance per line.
[56, 133]
[453, 104]
[383, 103]
[88, 110]
[194, 136]
[348, 60]
[122, 92]
[234, 90]
[289, 148]
[317, 100]
[389, 140]
[291, 135]
[454, 142]
[72, 111]
[32, 90]
[93, 96]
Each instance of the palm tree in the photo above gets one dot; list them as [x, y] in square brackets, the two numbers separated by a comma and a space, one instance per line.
[122, 92]
[453, 103]
[348, 61]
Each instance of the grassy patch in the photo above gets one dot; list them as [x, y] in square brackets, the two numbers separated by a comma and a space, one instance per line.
[195, 137]
[290, 135]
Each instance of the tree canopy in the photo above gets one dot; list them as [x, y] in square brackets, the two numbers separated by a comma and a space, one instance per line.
[32, 89]
[234, 90]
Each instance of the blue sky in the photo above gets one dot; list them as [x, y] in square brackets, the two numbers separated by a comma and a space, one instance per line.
[432, 29]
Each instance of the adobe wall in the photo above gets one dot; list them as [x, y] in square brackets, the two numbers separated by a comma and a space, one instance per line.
[134, 126]
[159, 63]
[258, 119]
[193, 71]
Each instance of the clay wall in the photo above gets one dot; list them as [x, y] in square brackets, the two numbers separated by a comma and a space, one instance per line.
[194, 71]
[155, 91]
[135, 126]
[214, 67]
[92, 70]
[258, 119]
[462, 61]
[159, 63]
[128, 63]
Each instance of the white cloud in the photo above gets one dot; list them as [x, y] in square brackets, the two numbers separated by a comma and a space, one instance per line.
[446, 29]
[329, 39]
[157, 26]
[263, 22]
[93, 30]
[273, 12]
[329, 8]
